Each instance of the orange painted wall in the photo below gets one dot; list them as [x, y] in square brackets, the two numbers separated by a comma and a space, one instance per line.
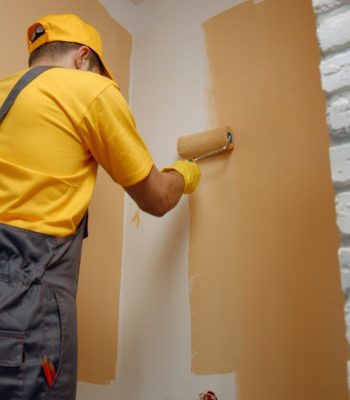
[265, 285]
[98, 295]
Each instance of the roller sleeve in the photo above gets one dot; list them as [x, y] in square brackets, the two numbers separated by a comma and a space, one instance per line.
[192, 146]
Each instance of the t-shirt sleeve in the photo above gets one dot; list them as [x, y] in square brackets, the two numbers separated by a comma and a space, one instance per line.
[112, 138]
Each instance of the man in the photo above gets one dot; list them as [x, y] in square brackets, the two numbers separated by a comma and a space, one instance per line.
[56, 125]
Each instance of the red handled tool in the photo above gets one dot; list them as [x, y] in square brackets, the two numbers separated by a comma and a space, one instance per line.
[48, 369]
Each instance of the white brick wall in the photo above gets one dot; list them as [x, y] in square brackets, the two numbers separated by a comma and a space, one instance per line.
[336, 72]
[323, 6]
[338, 114]
[340, 164]
[333, 30]
[344, 258]
[343, 212]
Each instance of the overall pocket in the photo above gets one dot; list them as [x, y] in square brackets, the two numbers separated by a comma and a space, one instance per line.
[52, 330]
[11, 362]
[64, 384]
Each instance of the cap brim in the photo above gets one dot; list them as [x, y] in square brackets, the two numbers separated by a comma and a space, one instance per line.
[107, 72]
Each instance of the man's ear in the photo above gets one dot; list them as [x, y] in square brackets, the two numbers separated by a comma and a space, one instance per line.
[81, 57]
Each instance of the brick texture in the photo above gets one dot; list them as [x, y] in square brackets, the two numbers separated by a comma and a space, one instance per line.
[340, 165]
[344, 259]
[333, 31]
[323, 6]
[335, 72]
[338, 114]
[343, 212]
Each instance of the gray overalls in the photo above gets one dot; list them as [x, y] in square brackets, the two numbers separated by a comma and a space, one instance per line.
[38, 282]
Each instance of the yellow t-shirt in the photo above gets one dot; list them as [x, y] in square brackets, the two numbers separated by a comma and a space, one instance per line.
[61, 126]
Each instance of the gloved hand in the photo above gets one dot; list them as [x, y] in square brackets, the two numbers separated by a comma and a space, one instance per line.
[190, 172]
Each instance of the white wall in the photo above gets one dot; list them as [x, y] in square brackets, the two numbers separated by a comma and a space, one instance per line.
[334, 38]
[124, 12]
[170, 80]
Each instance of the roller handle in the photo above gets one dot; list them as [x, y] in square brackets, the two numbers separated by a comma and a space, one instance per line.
[228, 146]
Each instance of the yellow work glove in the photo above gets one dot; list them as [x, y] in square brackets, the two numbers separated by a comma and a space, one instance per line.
[190, 172]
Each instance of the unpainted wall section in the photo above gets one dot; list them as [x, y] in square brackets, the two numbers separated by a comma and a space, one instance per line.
[98, 294]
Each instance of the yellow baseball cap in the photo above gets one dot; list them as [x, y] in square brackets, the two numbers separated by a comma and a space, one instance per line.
[65, 28]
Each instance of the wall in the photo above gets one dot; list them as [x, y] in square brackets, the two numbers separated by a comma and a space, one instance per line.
[334, 38]
[98, 295]
[273, 249]
[293, 294]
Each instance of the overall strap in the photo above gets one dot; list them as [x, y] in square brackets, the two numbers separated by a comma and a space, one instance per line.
[21, 84]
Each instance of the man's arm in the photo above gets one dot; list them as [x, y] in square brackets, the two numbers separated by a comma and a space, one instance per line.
[159, 192]
[114, 142]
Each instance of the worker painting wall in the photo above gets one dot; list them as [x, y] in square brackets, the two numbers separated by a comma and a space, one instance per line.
[253, 308]
[98, 294]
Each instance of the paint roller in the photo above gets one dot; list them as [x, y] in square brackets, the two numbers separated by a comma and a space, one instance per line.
[205, 144]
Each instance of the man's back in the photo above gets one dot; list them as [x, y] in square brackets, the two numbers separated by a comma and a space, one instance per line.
[59, 128]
